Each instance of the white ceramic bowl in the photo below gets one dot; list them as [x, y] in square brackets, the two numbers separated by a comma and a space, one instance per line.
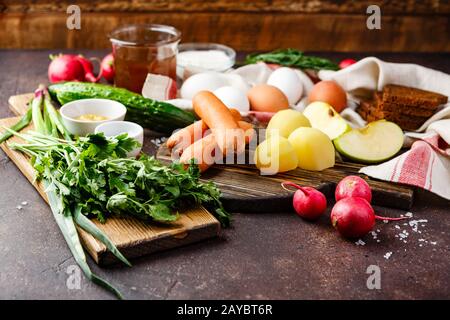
[114, 128]
[186, 69]
[110, 109]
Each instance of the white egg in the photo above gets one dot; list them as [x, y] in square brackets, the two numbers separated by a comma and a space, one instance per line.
[288, 82]
[202, 81]
[233, 98]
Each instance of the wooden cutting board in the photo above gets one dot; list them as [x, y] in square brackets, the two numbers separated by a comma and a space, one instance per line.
[132, 237]
[245, 190]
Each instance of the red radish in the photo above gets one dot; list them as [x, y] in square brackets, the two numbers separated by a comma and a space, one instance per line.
[88, 69]
[346, 63]
[353, 186]
[353, 217]
[65, 68]
[308, 202]
[69, 67]
[107, 67]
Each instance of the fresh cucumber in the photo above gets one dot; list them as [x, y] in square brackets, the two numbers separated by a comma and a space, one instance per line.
[151, 114]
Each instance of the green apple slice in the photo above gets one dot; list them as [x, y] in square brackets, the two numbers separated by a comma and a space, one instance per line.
[322, 116]
[376, 142]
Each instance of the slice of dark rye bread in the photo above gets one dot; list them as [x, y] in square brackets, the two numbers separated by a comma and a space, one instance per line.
[369, 107]
[369, 113]
[412, 97]
[408, 107]
[402, 108]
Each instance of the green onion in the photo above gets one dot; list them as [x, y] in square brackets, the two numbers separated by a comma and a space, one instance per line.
[22, 123]
[38, 120]
[88, 226]
[292, 58]
[55, 117]
[67, 227]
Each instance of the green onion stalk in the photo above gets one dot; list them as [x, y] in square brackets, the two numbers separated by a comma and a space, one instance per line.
[292, 58]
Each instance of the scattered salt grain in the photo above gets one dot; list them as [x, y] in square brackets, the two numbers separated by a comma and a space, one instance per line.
[388, 255]
[414, 224]
[19, 207]
[158, 141]
[409, 214]
[360, 243]
[24, 203]
[397, 226]
[385, 221]
[433, 242]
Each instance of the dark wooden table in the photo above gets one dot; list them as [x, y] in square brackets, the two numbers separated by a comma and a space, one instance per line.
[263, 256]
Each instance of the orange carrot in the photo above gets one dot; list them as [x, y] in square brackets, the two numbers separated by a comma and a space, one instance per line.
[188, 135]
[219, 119]
[248, 130]
[236, 114]
[204, 150]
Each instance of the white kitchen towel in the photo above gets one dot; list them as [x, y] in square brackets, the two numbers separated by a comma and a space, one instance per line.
[370, 74]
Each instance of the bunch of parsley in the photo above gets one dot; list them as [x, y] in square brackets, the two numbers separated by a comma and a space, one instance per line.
[93, 173]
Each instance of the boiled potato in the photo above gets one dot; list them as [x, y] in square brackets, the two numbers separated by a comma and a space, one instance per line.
[286, 121]
[314, 149]
[275, 155]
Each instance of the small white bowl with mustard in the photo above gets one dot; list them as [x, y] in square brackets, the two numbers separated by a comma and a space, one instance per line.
[81, 117]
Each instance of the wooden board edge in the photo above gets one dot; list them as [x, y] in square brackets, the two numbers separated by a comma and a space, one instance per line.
[17, 158]
[207, 231]
[15, 101]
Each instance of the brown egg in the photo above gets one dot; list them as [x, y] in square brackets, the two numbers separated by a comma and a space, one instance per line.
[329, 92]
[267, 98]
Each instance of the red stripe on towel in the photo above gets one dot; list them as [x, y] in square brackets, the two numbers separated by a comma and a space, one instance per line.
[415, 167]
